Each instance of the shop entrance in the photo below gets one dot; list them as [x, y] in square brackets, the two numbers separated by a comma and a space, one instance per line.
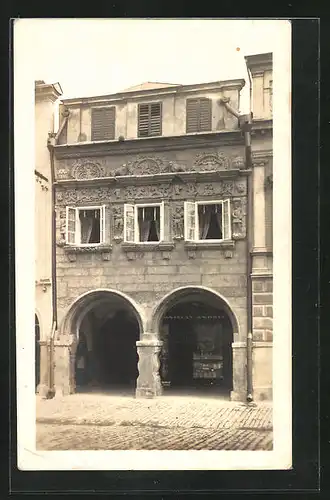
[197, 348]
[106, 356]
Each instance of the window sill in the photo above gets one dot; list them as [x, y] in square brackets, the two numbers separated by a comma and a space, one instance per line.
[133, 249]
[193, 246]
[73, 250]
[147, 246]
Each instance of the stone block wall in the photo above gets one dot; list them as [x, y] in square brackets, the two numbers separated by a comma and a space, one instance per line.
[262, 299]
[148, 277]
[262, 359]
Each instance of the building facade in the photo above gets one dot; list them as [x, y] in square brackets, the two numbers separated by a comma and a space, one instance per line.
[163, 240]
[45, 97]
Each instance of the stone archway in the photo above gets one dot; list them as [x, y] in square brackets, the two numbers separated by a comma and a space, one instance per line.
[196, 327]
[103, 327]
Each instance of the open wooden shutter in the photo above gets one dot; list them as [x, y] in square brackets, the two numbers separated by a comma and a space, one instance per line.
[129, 223]
[189, 220]
[71, 225]
[149, 119]
[198, 115]
[103, 123]
[162, 222]
[226, 220]
[102, 224]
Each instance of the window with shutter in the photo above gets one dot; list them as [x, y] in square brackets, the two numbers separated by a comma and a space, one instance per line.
[150, 119]
[144, 223]
[103, 123]
[85, 225]
[207, 221]
[198, 115]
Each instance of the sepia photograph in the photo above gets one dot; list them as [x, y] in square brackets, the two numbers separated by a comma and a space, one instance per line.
[158, 166]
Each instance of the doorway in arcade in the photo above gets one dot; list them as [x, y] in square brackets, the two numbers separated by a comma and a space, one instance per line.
[197, 349]
[106, 356]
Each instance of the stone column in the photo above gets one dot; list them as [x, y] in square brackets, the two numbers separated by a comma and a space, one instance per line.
[239, 372]
[42, 388]
[259, 251]
[64, 362]
[148, 382]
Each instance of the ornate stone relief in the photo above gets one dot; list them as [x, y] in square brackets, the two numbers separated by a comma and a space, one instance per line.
[118, 222]
[238, 215]
[211, 161]
[143, 165]
[178, 221]
[238, 162]
[190, 190]
[87, 169]
[91, 168]
[62, 227]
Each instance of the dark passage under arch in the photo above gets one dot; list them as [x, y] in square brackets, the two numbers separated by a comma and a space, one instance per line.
[106, 356]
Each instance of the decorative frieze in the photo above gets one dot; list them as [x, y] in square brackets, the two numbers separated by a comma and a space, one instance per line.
[162, 191]
[93, 168]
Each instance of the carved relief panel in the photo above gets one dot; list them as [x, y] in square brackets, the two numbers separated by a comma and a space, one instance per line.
[238, 217]
[162, 191]
[113, 166]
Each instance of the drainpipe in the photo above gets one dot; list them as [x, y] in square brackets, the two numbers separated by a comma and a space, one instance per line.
[245, 124]
[249, 163]
[52, 140]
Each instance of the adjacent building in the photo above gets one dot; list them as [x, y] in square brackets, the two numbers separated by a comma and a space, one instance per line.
[164, 239]
[46, 96]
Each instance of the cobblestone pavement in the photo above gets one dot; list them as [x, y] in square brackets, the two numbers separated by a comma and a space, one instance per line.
[104, 421]
[86, 437]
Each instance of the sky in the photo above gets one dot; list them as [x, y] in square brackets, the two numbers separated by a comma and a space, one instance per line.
[104, 56]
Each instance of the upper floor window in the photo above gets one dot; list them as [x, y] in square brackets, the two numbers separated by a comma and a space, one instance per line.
[207, 220]
[103, 123]
[144, 223]
[85, 225]
[150, 119]
[198, 115]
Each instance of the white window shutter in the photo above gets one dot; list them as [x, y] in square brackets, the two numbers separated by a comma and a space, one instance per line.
[102, 224]
[189, 220]
[71, 226]
[226, 220]
[162, 221]
[129, 223]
